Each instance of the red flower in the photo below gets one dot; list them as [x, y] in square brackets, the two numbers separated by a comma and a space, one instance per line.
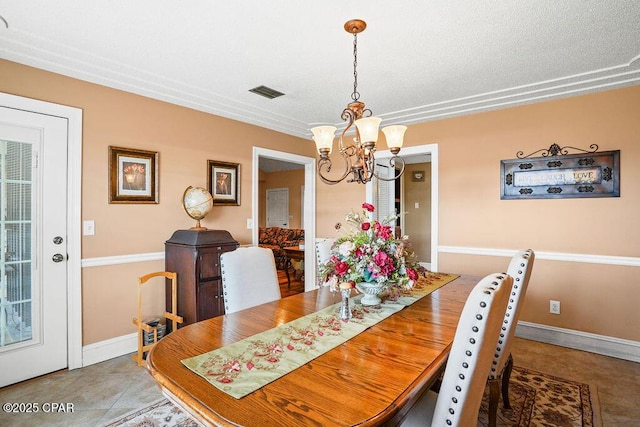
[341, 268]
[413, 275]
[365, 226]
[382, 231]
[368, 207]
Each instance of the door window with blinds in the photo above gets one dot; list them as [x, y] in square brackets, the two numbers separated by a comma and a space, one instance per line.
[15, 241]
[384, 193]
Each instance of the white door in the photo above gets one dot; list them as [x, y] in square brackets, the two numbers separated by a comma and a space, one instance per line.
[278, 207]
[33, 244]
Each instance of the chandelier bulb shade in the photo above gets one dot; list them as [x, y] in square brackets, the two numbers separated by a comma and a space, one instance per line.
[395, 137]
[323, 137]
[368, 129]
[359, 160]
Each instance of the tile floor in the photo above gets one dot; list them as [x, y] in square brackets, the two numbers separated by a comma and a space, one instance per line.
[109, 389]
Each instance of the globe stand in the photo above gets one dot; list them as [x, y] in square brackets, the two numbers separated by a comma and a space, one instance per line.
[198, 226]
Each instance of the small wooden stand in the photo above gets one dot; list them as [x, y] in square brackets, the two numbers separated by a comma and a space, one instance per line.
[143, 327]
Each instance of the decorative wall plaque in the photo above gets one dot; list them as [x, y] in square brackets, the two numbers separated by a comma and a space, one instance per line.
[560, 175]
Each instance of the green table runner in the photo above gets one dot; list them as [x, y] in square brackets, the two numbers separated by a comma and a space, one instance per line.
[247, 365]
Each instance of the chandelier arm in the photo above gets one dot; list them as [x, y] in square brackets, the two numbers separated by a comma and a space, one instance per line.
[369, 167]
[392, 163]
[326, 163]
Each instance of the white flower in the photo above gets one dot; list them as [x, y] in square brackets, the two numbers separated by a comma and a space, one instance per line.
[346, 248]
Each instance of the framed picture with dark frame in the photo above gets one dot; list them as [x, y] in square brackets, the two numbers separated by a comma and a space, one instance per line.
[133, 175]
[223, 182]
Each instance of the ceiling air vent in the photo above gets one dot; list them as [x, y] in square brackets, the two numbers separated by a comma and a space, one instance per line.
[267, 92]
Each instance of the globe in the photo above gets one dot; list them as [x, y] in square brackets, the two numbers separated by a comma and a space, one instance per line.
[197, 203]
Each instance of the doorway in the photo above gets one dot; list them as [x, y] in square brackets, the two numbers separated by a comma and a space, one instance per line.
[421, 154]
[308, 220]
[40, 312]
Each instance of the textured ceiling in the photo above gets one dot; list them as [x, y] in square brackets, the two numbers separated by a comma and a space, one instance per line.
[417, 60]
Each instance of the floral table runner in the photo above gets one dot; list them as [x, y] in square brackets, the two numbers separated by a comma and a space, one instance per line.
[247, 365]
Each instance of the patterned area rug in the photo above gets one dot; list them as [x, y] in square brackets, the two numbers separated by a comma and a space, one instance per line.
[537, 399]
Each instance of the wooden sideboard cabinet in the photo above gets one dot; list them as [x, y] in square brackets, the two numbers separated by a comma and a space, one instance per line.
[195, 256]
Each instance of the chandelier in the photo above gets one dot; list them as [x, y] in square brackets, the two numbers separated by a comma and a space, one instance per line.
[359, 160]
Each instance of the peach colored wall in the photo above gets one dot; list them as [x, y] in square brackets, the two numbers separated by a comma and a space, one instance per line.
[185, 139]
[293, 180]
[595, 298]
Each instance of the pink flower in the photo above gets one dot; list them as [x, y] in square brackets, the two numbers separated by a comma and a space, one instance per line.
[365, 226]
[380, 258]
[368, 207]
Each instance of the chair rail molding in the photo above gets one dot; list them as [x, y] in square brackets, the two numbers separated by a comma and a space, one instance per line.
[541, 255]
[121, 259]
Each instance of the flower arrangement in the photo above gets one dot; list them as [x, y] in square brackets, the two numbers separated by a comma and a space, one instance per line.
[369, 252]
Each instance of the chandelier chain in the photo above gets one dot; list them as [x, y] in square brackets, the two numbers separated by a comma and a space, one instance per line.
[355, 95]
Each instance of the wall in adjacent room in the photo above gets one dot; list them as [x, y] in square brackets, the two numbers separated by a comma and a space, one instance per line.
[292, 180]
[417, 218]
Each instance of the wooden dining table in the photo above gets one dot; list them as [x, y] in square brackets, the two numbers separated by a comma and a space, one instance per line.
[372, 379]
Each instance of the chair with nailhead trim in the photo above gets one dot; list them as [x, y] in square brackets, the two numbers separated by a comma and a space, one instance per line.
[520, 270]
[249, 278]
[465, 376]
[323, 253]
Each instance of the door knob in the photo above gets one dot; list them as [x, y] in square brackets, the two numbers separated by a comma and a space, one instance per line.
[57, 257]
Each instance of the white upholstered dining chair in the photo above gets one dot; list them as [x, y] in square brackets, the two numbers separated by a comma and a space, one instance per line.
[463, 383]
[249, 278]
[323, 252]
[520, 270]
[323, 249]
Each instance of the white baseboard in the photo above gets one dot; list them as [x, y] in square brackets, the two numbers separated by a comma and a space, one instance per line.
[593, 343]
[109, 349]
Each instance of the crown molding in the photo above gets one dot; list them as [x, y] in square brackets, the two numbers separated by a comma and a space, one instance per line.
[121, 76]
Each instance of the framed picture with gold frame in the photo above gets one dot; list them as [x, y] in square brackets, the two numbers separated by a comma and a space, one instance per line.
[133, 175]
[223, 182]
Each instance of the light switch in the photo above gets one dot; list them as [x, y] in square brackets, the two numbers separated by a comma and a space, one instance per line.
[88, 228]
[249, 223]
[417, 205]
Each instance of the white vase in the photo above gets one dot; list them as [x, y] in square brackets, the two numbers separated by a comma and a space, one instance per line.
[370, 291]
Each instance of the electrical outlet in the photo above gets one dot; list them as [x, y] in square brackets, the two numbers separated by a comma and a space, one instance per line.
[554, 307]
